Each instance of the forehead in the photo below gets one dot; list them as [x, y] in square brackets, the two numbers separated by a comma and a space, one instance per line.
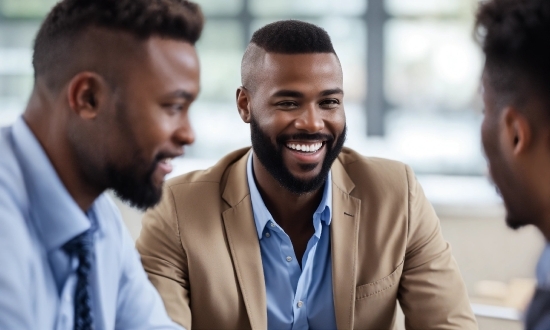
[169, 64]
[312, 69]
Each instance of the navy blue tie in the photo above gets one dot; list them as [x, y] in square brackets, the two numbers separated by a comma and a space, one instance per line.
[81, 247]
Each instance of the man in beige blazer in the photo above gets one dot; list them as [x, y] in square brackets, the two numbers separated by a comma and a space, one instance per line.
[235, 246]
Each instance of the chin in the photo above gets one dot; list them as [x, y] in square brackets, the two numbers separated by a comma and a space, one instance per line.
[516, 220]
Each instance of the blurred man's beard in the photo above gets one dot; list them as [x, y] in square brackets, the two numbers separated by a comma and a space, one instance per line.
[136, 189]
[271, 157]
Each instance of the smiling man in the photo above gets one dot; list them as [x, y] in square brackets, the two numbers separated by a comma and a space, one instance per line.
[299, 232]
[113, 83]
[515, 37]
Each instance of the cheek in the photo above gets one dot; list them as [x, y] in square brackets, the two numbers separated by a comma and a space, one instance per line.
[488, 137]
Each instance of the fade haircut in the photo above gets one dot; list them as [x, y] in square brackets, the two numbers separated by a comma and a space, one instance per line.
[283, 37]
[57, 41]
[292, 37]
[515, 37]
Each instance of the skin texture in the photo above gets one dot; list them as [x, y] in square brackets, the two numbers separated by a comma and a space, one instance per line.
[294, 94]
[106, 125]
[516, 140]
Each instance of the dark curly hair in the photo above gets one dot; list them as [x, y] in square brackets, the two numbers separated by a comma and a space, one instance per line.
[69, 19]
[292, 37]
[515, 37]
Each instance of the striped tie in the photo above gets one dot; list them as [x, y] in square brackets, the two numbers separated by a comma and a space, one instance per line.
[81, 247]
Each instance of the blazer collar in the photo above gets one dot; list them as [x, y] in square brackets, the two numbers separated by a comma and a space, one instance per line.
[236, 187]
[344, 244]
[243, 243]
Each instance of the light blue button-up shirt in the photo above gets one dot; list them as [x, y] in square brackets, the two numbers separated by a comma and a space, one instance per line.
[37, 278]
[297, 298]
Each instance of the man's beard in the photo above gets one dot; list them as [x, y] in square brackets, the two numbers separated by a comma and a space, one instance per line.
[135, 186]
[271, 157]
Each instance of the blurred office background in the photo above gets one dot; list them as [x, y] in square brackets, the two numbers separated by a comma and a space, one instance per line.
[411, 78]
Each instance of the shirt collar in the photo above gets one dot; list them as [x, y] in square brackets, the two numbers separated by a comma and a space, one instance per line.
[55, 214]
[262, 215]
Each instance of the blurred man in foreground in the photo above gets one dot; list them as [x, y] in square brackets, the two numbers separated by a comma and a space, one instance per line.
[515, 36]
[113, 83]
[299, 232]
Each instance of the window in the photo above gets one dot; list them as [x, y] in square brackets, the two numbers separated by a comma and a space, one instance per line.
[411, 74]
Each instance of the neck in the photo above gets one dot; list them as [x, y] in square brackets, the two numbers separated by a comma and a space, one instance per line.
[48, 122]
[291, 211]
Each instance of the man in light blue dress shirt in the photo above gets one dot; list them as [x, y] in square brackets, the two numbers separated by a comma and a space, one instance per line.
[515, 37]
[113, 84]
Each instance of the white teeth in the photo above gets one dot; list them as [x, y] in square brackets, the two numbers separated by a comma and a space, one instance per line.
[305, 148]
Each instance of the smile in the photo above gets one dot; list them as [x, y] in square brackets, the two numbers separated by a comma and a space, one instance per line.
[305, 147]
[165, 166]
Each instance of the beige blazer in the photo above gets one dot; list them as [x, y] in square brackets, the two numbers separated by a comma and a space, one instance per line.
[201, 251]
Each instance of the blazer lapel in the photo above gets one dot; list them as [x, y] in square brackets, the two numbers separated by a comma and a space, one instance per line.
[243, 242]
[344, 236]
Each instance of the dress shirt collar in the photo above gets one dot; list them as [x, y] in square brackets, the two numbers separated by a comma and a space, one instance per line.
[56, 216]
[262, 215]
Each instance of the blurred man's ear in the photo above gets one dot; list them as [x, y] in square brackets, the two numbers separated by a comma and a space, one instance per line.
[86, 92]
[517, 134]
[243, 103]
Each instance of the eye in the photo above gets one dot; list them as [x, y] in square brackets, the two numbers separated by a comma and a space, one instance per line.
[287, 105]
[329, 103]
[173, 107]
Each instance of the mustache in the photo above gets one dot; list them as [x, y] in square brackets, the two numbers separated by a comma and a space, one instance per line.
[282, 139]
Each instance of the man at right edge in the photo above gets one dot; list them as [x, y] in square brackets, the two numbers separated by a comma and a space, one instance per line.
[515, 37]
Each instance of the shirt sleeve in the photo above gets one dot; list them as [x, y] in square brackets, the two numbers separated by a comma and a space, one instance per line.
[16, 297]
[432, 293]
[139, 304]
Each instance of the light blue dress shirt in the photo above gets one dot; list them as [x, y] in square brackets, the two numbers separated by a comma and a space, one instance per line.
[543, 269]
[537, 316]
[37, 279]
[297, 298]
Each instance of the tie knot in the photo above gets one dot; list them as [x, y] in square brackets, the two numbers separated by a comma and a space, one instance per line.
[80, 245]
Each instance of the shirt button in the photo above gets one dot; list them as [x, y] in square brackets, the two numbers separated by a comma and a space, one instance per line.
[289, 259]
[272, 224]
[300, 304]
[267, 235]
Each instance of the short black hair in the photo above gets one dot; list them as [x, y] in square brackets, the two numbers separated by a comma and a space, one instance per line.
[515, 37]
[293, 37]
[66, 22]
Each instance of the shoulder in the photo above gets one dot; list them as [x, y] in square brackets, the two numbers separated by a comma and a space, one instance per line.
[214, 176]
[11, 176]
[376, 173]
[13, 195]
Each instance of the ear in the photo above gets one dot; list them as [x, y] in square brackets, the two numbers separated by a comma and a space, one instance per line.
[86, 93]
[243, 104]
[517, 133]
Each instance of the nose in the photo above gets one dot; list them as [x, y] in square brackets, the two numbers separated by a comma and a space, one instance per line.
[184, 134]
[310, 120]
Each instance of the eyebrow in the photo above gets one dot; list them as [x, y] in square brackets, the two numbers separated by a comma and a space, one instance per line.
[180, 93]
[288, 93]
[332, 91]
[291, 93]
